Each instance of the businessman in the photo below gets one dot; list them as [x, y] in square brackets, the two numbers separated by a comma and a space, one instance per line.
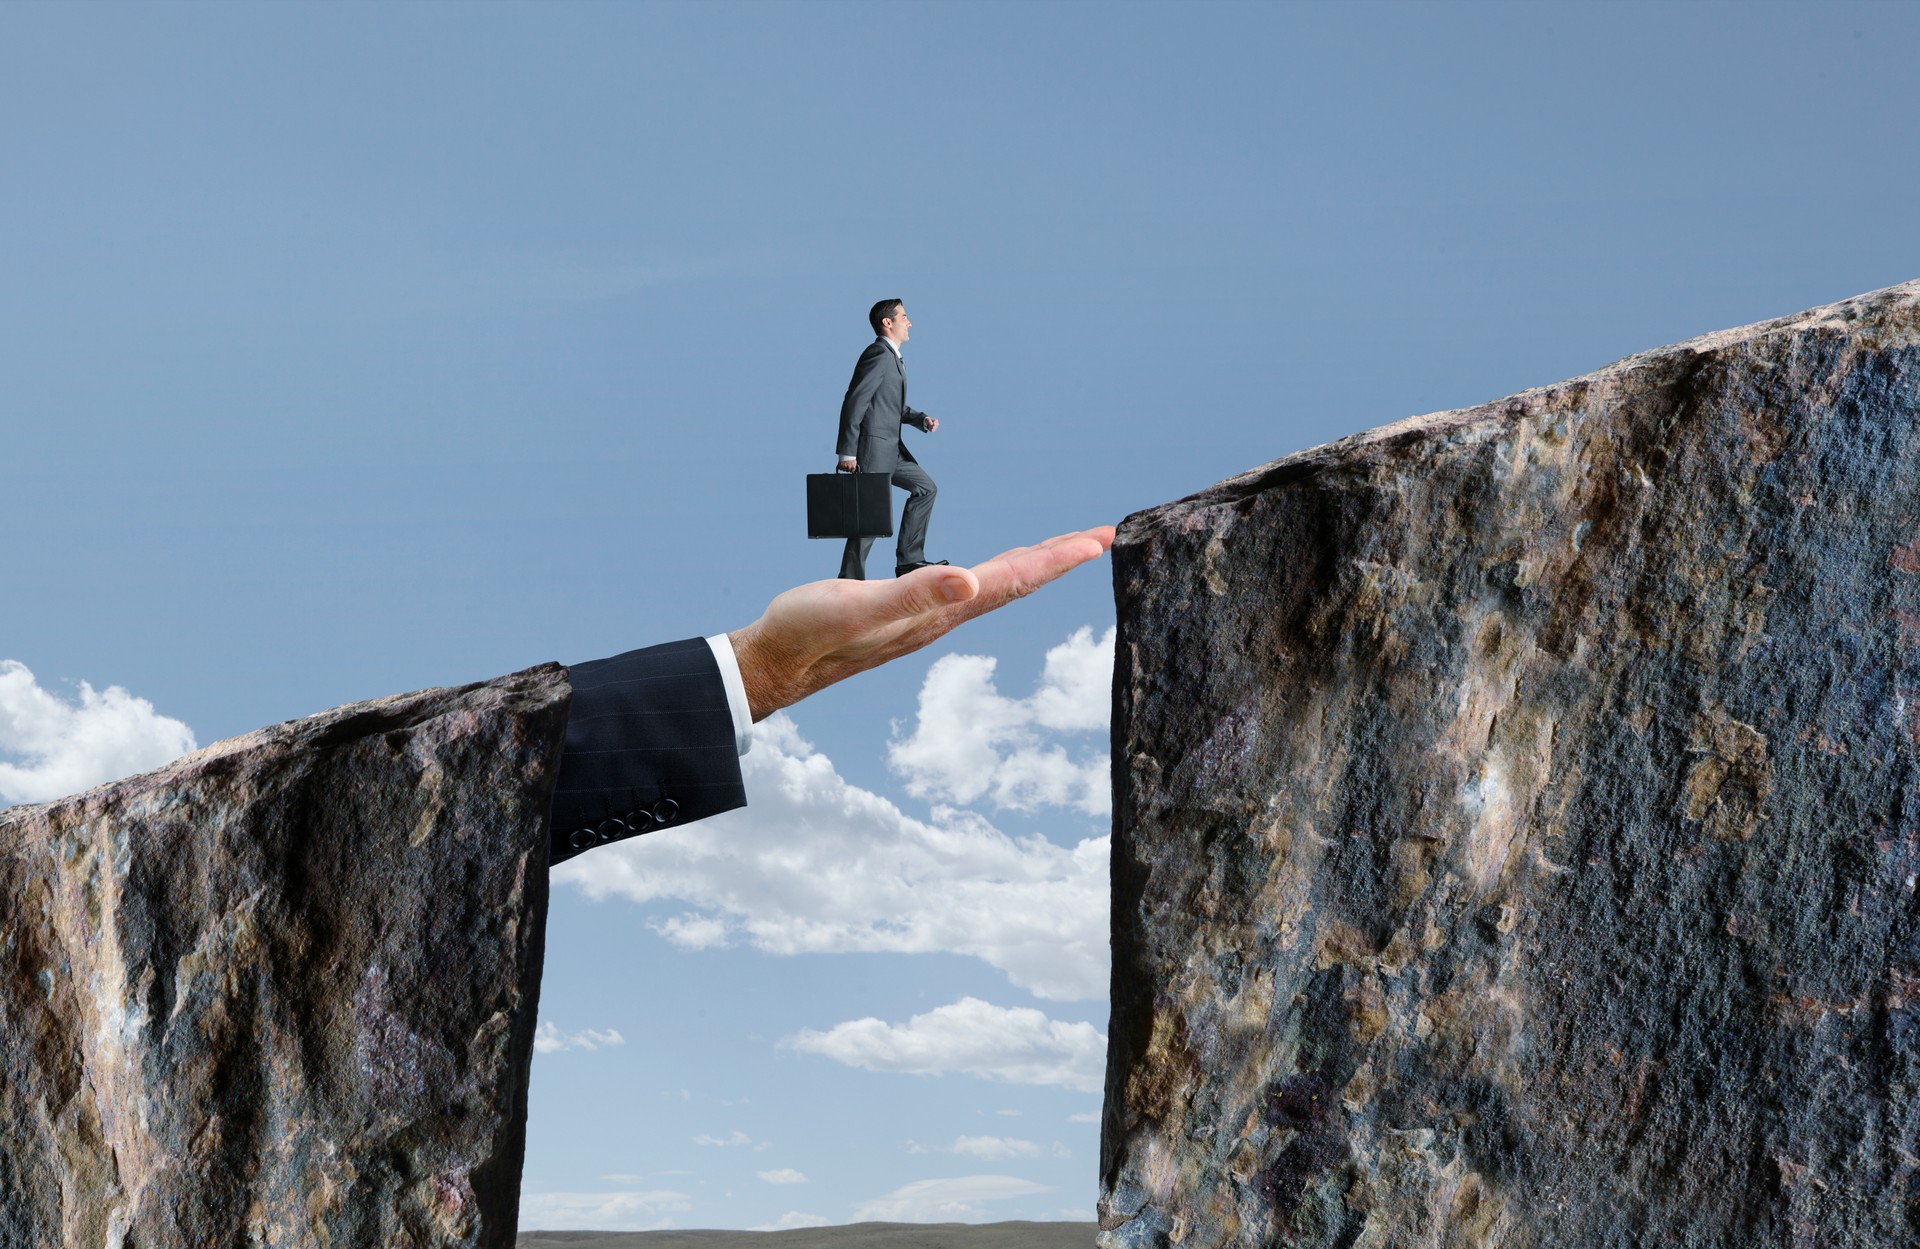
[654, 736]
[870, 419]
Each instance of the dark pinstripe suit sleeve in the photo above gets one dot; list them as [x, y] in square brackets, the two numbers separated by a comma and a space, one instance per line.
[649, 743]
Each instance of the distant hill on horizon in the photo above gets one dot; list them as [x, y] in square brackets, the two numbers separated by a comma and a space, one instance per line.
[1016, 1235]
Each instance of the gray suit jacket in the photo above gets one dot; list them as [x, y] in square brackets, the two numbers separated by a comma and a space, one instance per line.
[874, 409]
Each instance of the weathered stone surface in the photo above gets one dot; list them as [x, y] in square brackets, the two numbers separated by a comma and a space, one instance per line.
[282, 992]
[1518, 818]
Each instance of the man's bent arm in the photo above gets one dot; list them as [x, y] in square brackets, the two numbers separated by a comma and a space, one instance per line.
[859, 401]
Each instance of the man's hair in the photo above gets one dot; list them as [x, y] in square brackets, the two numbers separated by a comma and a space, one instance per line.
[881, 311]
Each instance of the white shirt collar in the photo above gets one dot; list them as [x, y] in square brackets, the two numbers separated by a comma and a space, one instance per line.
[896, 346]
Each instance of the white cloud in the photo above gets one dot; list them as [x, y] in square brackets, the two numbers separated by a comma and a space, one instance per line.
[955, 1200]
[735, 1137]
[815, 865]
[548, 1039]
[789, 1221]
[971, 741]
[613, 1212]
[994, 1148]
[785, 1175]
[1018, 1045]
[50, 748]
[693, 931]
[1091, 1116]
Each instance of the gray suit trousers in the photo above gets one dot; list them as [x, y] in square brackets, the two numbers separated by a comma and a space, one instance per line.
[910, 543]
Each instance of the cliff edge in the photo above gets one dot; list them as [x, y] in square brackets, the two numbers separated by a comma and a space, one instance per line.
[282, 991]
[1517, 819]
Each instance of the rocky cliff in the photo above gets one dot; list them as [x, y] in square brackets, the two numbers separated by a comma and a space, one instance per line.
[282, 992]
[1518, 817]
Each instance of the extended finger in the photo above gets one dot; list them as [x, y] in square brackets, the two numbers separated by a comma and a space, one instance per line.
[1023, 570]
[1100, 534]
[1047, 560]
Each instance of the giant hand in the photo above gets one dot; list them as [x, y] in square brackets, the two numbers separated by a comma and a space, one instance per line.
[825, 631]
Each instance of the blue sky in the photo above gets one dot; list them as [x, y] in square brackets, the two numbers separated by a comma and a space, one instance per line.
[353, 348]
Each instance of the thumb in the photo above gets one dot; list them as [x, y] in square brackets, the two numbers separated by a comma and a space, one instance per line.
[928, 590]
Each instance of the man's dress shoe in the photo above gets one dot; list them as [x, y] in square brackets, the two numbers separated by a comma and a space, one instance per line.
[901, 570]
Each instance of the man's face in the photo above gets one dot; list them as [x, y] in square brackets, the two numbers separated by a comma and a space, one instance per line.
[897, 325]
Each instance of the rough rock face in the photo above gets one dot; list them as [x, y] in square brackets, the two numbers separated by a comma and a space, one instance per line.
[282, 992]
[1518, 819]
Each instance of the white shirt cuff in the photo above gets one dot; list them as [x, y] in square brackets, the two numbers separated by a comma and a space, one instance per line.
[722, 647]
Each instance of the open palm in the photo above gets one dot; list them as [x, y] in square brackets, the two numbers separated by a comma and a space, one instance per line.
[825, 631]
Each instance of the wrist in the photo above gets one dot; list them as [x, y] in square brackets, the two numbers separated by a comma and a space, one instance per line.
[759, 664]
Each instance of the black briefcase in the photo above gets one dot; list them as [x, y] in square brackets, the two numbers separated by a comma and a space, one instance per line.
[849, 505]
